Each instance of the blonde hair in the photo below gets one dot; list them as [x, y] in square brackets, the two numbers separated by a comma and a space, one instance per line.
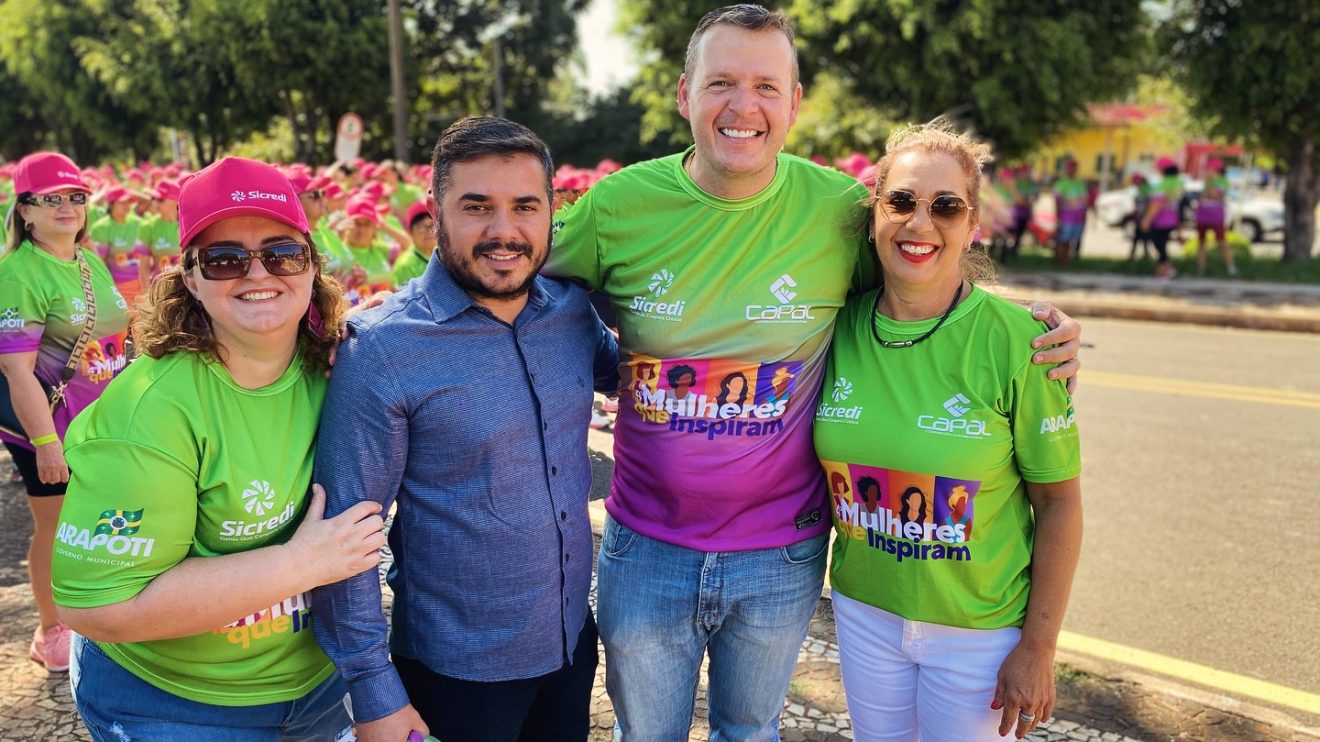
[170, 318]
[939, 136]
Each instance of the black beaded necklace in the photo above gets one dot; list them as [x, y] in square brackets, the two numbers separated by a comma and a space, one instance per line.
[908, 343]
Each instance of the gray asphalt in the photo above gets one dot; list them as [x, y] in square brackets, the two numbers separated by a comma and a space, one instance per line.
[1200, 540]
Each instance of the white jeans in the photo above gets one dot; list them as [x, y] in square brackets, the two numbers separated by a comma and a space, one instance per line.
[908, 680]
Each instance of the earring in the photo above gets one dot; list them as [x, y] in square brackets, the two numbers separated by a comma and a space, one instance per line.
[870, 238]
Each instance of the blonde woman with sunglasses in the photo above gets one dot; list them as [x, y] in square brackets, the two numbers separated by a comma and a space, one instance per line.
[191, 533]
[958, 512]
[52, 338]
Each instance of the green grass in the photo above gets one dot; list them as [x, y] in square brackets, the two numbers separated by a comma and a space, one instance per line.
[1250, 267]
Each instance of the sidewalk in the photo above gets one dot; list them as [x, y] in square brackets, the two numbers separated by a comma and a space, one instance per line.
[1205, 301]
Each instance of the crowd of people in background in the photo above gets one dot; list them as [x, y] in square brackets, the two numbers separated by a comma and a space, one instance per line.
[194, 531]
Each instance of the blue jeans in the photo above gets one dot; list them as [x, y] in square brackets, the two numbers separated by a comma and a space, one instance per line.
[661, 607]
[118, 706]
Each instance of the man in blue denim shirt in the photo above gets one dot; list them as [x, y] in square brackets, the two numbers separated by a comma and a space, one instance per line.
[466, 396]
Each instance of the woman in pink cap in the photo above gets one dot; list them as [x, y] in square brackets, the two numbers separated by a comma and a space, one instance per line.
[117, 237]
[62, 326]
[371, 256]
[1162, 215]
[1210, 214]
[191, 533]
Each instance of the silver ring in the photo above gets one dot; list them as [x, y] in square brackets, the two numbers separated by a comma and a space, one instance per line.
[1026, 718]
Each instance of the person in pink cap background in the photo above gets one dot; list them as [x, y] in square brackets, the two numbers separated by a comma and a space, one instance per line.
[361, 226]
[421, 228]
[117, 237]
[191, 529]
[160, 231]
[1210, 215]
[1162, 217]
[43, 314]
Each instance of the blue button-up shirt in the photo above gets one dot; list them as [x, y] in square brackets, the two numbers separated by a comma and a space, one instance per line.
[479, 430]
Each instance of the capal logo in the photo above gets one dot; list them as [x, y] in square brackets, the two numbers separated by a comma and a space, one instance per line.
[114, 533]
[239, 197]
[9, 319]
[958, 405]
[780, 288]
[258, 498]
[832, 413]
[659, 285]
[783, 313]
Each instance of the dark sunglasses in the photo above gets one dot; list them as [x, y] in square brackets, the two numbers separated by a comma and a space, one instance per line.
[946, 211]
[223, 263]
[316, 194]
[55, 200]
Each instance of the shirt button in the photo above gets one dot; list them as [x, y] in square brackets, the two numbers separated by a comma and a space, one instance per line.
[563, 515]
[554, 470]
[545, 426]
[565, 559]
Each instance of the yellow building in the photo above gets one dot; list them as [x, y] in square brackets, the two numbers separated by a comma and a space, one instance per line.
[1121, 138]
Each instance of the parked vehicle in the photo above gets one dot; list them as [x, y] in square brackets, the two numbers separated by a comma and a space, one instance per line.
[1254, 218]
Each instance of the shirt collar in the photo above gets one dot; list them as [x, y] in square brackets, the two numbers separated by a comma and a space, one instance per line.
[448, 300]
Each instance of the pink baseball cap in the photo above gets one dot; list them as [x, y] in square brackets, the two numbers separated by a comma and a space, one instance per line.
[1215, 164]
[115, 194]
[300, 181]
[47, 172]
[362, 206]
[236, 186]
[1165, 162]
[333, 190]
[415, 212]
[167, 189]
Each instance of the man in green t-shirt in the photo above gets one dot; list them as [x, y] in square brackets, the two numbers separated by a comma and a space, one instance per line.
[730, 259]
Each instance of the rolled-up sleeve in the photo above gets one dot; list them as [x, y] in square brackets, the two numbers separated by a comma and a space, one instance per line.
[361, 452]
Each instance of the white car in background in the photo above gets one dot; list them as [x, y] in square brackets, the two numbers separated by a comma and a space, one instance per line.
[1253, 218]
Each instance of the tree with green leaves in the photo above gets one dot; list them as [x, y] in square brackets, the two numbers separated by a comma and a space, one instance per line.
[1250, 67]
[1017, 72]
[79, 114]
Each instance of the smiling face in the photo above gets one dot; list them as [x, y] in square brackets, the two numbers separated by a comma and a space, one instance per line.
[55, 223]
[741, 99]
[495, 226]
[916, 255]
[259, 310]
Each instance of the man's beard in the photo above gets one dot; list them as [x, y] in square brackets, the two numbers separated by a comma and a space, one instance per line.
[460, 270]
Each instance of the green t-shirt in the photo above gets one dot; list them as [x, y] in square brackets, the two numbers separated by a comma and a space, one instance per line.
[405, 195]
[375, 260]
[43, 308]
[162, 241]
[338, 260]
[410, 265]
[121, 244]
[927, 451]
[725, 311]
[175, 461]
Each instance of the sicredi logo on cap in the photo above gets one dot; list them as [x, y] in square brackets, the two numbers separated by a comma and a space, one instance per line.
[240, 196]
[67, 174]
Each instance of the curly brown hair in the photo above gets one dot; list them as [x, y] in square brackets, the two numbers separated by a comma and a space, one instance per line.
[169, 317]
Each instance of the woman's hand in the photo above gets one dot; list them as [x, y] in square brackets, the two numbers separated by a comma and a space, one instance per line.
[337, 548]
[51, 466]
[1025, 687]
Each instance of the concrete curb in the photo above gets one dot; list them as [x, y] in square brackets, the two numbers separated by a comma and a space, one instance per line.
[1249, 318]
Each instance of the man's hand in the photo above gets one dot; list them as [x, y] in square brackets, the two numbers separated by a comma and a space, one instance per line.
[393, 728]
[1060, 344]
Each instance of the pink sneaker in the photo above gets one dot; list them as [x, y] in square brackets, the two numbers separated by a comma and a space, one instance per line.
[51, 647]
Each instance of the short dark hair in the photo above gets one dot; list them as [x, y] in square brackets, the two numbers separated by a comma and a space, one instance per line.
[677, 372]
[479, 136]
[748, 16]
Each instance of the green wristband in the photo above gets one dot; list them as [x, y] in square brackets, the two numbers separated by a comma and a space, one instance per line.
[45, 439]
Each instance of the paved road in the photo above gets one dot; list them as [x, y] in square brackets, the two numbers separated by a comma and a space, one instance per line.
[1201, 464]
